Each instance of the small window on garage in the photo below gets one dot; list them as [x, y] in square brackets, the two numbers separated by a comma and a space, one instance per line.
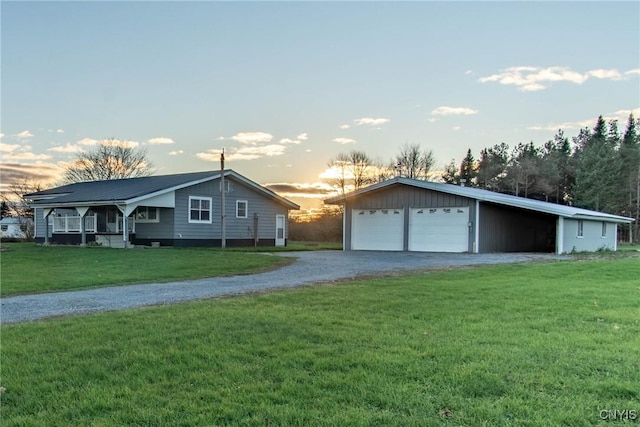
[604, 229]
[580, 228]
[242, 206]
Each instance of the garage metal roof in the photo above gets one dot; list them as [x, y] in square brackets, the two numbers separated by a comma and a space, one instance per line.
[487, 196]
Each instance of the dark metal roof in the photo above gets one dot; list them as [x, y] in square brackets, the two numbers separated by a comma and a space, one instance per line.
[117, 189]
[487, 196]
[123, 190]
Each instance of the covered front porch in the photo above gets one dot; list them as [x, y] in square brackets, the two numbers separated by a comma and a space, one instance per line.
[101, 225]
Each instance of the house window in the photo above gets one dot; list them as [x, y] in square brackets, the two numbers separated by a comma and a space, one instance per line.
[200, 209]
[5, 228]
[147, 214]
[580, 228]
[604, 229]
[242, 206]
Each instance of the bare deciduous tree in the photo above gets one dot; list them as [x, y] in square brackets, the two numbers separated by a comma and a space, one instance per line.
[17, 205]
[413, 162]
[110, 160]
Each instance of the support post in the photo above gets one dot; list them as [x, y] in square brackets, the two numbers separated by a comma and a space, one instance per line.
[223, 240]
[46, 213]
[83, 232]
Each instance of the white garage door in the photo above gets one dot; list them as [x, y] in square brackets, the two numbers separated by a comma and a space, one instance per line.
[439, 230]
[377, 229]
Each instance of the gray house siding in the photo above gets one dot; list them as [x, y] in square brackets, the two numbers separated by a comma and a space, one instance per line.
[405, 197]
[240, 230]
[157, 231]
[591, 238]
[506, 229]
[39, 227]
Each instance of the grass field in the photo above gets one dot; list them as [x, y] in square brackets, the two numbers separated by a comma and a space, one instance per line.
[516, 345]
[30, 268]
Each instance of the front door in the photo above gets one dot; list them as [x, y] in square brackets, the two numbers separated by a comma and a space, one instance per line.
[279, 230]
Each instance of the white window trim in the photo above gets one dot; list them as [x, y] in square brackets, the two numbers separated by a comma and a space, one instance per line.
[246, 208]
[142, 221]
[197, 221]
[580, 231]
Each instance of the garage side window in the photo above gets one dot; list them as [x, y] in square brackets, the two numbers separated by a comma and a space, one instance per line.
[199, 209]
[604, 229]
[580, 228]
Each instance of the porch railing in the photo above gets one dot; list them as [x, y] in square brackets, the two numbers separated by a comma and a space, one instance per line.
[71, 224]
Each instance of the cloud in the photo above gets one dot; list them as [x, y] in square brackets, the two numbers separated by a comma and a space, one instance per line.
[345, 126]
[634, 72]
[303, 136]
[621, 116]
[290, 141]
[344, 141]
[119, 143]
[160, 140]
[88, 141]
[252, 137]
[605, 74]
[1, 135]
[433, 119]
[59, 130]
[8, 148]
[312, 191]
[24, 134]
[453, 111]
[244, 153]
[456, 128]
[531, 79]
[68, 148]
[176, 152]
[43, 173]
[25, 156]
[370, 121]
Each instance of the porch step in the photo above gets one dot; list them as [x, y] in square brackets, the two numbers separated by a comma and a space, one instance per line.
[110, 241]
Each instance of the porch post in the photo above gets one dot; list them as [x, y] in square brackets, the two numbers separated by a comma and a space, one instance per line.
[126, 211]
[46, 212]
[83, 211]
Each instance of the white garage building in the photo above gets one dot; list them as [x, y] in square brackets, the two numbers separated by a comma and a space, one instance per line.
[403, 214]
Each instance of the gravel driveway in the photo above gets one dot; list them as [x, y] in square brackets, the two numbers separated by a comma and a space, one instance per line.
[310, 267]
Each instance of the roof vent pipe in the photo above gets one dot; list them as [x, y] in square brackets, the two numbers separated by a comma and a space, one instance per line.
[463, 181]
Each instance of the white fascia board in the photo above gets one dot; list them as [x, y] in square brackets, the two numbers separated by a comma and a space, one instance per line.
[261, 189]
[170, 189]
[163, 200]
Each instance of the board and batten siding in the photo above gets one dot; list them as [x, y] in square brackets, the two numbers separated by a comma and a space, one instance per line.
[406, 197]
[591, 239]
[236, 228]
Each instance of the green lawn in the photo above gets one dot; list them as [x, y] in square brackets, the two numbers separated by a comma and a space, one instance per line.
[515, 345]
[29, 268]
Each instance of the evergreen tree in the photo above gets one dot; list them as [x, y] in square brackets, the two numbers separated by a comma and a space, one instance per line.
[468, 170]
[598, 171]
[629, 154]
[450, 175]
[492, 167]
[523, 169]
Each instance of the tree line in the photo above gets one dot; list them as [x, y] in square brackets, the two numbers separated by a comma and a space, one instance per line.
[597, 169]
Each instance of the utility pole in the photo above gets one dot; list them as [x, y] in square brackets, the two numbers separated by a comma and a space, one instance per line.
[222, 194]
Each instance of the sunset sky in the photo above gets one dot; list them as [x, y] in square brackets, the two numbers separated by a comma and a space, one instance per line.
[285, 86]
